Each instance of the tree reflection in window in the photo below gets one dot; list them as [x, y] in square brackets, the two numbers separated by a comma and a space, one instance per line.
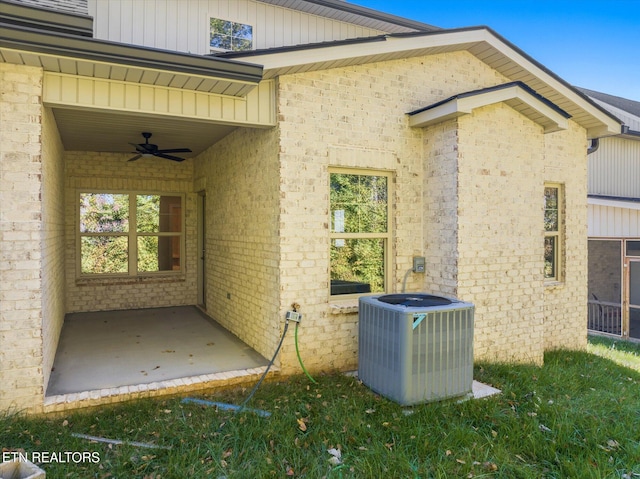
[111, 244]
[552, 238]
[227, 35]
[359, 231]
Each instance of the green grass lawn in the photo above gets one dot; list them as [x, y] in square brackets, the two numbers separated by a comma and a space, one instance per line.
[576, 417]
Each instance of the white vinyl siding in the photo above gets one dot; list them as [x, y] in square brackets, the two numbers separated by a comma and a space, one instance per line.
[183, 25]
[256, 109]
[614, 168]
[612, 222]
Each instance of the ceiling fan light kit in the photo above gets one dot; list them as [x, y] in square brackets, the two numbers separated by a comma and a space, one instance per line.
[147, 150]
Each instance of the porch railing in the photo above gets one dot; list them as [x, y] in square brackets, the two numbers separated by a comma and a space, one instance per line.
[605, 317]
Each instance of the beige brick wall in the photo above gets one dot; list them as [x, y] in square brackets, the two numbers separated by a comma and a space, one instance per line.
[356, 117]
[89, 171]
[565, 304]
[53, 240]
[500, 162]
[240, 176]
[463, 194]
[21, 288]
[497, 173]
[475, 179]
[440, 229]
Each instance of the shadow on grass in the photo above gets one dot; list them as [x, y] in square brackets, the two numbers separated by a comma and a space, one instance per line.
[577, 416]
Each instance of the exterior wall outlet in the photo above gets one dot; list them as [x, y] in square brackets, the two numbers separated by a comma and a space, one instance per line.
[293, 316]
[418, 264]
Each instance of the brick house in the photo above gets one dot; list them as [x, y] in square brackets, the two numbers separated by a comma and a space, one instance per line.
[478, 155]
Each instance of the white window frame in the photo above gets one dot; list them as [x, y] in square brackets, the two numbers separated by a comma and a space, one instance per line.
[558, 235]
[386, 237]
[132, 235]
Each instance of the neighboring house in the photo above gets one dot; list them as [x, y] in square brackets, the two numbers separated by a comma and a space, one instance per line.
[614, 223]
[452, 144]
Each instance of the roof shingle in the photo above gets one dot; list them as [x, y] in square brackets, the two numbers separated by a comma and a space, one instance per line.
[630, 106]
[78, 7]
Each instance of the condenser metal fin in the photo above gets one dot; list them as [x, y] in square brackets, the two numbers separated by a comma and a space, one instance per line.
[415, 348]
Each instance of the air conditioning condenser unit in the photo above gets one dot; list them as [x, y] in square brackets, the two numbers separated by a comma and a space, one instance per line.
[415, 348]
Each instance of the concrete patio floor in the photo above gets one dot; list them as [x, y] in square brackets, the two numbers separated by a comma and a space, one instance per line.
[110, 349]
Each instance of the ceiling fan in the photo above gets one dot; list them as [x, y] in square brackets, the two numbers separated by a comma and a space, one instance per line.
[146, 150]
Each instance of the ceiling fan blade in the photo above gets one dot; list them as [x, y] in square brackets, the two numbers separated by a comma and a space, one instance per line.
[176, 150]
[168, 157]
[146, 149]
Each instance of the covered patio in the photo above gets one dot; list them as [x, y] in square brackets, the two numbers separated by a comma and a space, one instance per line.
[109, 353]
[109, 334]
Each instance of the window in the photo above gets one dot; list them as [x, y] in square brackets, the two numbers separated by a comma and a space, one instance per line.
[359, 232]
[130, 234]
[633, 248]
[552, 232]
[226, 35]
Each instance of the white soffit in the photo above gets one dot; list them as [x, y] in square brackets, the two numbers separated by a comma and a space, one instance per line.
[515, 95]
[479, 41]
[614, 203]
[131, 73]
[360, 51]
[348, 12]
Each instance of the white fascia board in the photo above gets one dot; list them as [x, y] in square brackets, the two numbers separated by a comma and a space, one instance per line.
[555, 121]
[466, 104]
[614, 203]
[610, 126]
[438, 114]
[290, 61]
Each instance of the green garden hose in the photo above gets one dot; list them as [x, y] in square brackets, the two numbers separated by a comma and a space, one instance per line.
[300, 359]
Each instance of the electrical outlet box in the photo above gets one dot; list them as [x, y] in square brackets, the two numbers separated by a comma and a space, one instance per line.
[293, 316]
[418, 264]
